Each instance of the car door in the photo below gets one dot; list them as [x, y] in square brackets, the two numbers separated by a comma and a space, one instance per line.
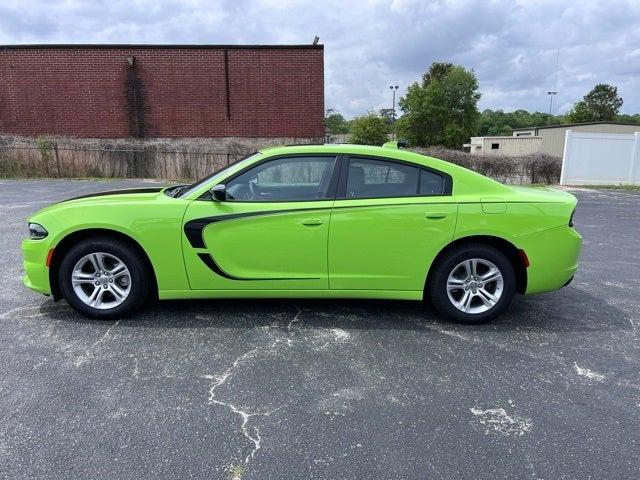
[270, 233]
[389, 221]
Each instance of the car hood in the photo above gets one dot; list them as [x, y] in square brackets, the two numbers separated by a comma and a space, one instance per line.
[111, 196]
[128, 191]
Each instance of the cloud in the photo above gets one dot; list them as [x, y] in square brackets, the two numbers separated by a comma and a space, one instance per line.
[511, 45]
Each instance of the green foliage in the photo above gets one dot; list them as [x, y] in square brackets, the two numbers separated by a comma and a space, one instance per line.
[601, 103]
[369, 129]
[442, 109]
[497, 122]
[237, 471]
[387, 115]
[45, 146]
[628, 118]
[335, 122]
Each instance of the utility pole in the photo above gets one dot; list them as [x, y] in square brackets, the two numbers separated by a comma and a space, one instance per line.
[555, 88]
[394, 89]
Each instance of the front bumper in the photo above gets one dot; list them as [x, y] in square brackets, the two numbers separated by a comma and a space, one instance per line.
[34, 254]
[553, 255]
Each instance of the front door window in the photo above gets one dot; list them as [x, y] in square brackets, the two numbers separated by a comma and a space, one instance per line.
[288, 179]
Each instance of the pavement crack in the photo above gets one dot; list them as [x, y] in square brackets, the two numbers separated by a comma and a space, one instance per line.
[89, 351]
[296, 317]
[250, 432]
[590, 374]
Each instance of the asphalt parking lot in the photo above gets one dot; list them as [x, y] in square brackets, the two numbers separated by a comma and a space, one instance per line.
[326, 390]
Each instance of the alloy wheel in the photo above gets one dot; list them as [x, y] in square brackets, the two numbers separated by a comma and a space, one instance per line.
[475, 286]
[101, 280]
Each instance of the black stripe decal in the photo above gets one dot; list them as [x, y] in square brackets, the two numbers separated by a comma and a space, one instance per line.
[193, 228]
[116, 192]
[210, 262]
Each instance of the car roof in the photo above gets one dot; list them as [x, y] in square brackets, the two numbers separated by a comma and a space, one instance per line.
[390, 151]
[328, 148]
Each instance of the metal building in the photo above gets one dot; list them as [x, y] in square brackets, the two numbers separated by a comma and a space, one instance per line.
[553, 136]
[509, 146]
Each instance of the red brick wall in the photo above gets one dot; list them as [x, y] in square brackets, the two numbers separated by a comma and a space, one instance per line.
[82, 91]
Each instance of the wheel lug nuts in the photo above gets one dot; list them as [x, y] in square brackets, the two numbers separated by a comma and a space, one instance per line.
[111, 280]
[474, 291]
[466, 288]
[97, 283]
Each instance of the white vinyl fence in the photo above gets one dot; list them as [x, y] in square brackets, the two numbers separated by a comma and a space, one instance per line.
[600, 159]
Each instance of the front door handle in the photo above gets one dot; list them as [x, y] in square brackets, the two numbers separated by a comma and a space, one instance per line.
[435, 215]
[312, 221]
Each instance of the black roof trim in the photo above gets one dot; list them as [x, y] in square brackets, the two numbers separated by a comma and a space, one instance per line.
[562, 125]
[157, 46]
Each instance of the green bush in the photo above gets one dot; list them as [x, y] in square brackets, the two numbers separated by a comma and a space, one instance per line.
[369, 129]
[532, 168]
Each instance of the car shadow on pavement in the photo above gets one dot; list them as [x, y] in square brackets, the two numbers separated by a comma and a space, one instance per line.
[570, 309]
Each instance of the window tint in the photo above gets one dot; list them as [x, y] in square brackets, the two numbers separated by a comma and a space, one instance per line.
[431, 183]
[378, 178]
[368, 178]
[284, 179]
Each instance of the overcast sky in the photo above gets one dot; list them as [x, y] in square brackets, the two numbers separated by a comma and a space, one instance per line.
[369, 45]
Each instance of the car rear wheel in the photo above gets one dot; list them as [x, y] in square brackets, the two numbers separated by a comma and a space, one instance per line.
[473, 283]
[103, 278]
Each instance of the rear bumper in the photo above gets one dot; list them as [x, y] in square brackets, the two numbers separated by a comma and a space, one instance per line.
[34, 254]
[553, 255]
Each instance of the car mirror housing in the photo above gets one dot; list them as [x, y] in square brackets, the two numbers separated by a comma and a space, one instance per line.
[219, 192]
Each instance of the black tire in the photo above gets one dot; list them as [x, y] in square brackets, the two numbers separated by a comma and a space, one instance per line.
[437, 287]
[139, 276]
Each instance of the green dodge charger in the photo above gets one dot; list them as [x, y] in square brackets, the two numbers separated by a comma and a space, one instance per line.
[309, 221]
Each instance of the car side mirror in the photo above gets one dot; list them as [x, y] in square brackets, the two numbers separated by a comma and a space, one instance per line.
[219, 192]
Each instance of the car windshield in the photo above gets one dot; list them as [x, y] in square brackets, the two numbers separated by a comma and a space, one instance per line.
[187, 189]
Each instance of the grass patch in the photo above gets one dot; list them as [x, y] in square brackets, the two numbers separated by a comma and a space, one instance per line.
[632, 188]
[237, 471]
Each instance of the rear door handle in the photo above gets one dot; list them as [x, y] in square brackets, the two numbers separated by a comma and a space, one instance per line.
[435, 215]
[312, 221]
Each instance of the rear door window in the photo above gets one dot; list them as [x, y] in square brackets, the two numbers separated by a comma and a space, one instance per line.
[373, 178]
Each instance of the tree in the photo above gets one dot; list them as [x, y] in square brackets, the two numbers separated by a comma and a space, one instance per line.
[497, 122]
[335, 122]
[635, 118]
[387, 115]
[369, 129]
[601, 103]
[442, 109]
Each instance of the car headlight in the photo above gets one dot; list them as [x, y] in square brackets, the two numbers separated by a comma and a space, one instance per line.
[37, 232]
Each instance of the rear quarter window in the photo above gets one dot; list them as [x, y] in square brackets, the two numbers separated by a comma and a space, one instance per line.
[431, 183]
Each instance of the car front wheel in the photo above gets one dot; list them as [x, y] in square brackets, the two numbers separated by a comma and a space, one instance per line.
[103, 278]
[472, 284]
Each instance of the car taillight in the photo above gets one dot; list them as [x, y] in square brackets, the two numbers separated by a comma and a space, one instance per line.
[571, 218]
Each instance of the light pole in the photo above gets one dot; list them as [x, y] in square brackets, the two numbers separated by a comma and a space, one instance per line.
[551, 94]
[394, 89]
[555, 87]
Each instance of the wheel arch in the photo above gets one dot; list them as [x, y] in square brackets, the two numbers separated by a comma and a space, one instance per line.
[506, 247]
[63, 246]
